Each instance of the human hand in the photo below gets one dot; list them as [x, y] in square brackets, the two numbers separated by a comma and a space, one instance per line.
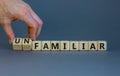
[12, 10]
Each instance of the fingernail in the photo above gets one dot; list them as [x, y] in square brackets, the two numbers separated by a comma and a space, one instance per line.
[10, 42]
[34, 39]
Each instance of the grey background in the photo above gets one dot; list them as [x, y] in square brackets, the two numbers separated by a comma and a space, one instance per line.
[67, 20]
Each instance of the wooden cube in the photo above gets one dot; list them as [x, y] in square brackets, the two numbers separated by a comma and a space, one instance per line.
[83, 45]
[102, 45]
[55, 45]
[17, 44]
[73, 45]
[64, 45]
[27, 44]
[37, 45]
[46, 45]
[93, 46]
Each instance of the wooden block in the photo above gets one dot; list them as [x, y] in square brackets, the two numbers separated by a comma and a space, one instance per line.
[27, 44]
[46, 45]
[83, 45]
[74, 45]
[102, 45]
[37, 45]
[64, 45]
[17, 44]
[92, 45]
[55, 45]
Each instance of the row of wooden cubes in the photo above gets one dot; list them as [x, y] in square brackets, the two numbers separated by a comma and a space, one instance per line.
[28, 44]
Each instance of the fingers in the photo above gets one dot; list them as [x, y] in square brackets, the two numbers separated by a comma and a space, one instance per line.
[32, 25]
[33, 22]
[39, 21]
[9, 31]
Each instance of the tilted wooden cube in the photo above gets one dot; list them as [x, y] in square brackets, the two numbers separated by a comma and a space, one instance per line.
[17, 44]
[27, 44]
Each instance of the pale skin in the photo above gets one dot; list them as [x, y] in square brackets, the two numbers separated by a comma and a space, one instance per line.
[12, 10]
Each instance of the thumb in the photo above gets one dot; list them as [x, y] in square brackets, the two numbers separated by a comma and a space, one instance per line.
[9, 31]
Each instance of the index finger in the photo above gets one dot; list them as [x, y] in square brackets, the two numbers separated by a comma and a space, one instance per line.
[32, 26]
